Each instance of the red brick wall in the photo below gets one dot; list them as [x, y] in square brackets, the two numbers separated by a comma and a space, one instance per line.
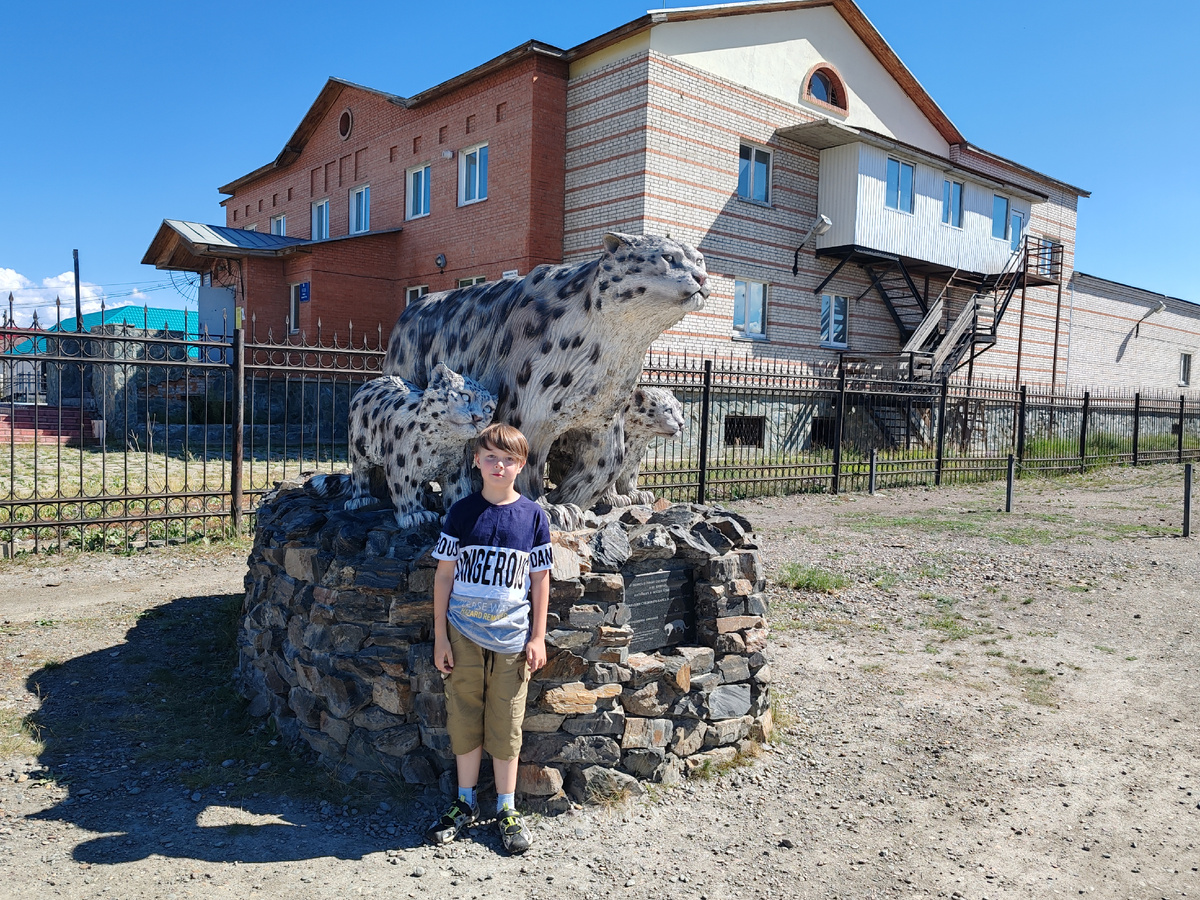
[519, 112]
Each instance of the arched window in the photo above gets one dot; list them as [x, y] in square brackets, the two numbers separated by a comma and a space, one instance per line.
[824, 86]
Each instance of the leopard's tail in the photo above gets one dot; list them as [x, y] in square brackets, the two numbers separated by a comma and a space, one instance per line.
[329, 486]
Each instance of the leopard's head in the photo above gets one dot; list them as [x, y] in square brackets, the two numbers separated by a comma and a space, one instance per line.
[655, 411]
[649, 271]
[465, 404]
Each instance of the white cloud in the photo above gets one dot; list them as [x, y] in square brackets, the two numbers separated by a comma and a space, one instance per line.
[29, 297]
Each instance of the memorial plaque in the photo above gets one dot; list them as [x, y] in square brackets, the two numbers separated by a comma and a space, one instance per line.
[662, 608]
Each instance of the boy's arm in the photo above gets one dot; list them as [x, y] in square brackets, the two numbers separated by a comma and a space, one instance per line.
[539, 603]
[443, 581]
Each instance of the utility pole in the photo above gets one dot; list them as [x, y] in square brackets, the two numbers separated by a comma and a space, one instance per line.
[78, 305]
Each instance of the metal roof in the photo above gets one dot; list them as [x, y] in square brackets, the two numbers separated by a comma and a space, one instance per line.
[149, 318]
[180, 245]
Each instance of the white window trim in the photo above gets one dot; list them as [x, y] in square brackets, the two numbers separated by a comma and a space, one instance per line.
[415, 292]
[253, 227]
[354, 192]
[831, 344]
[770, 174]
[962, 193]
[462, 174]
[1007, 219]
[1185, 378]
[312, 220]
[408, 196]
[282, 220]
[741, 334]
[472, 281]
[898, 208]
[294, 307]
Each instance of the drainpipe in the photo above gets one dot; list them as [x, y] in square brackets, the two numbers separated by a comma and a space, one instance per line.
[1070, 331]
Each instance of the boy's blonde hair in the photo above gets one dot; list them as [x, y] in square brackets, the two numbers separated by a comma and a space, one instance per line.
[504, 438]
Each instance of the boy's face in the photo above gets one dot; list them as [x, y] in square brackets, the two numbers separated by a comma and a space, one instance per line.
[498, 467]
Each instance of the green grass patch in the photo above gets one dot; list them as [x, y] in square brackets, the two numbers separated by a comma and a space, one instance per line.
[812, 578]
[1037, 685]
[951, 625]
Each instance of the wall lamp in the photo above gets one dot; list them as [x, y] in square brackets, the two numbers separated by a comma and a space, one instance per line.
[819, 227]
[440, 262]
[1138, 327]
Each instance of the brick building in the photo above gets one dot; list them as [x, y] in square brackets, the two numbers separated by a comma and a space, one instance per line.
[842, 214]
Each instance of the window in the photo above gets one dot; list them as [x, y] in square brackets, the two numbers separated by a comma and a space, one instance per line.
[418, 192]
[469, 282]
[825, 86]
[320, 220]
[279, 225]
[294, 309]
[251, 227]
[754, 174]
[899, 185]
[833, 320]
[360, 209]
[473, 175]
[952, 192]
[749, 309]
[1016, 227]
[1185, 369]
[999, 217]
[745, 431]
[415, 292]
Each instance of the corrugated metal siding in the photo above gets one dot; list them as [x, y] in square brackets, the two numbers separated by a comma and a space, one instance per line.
[837, 193]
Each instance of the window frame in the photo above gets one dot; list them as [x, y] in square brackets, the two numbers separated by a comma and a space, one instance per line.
[293, 326]
[744, 333]
[1185, 369]
[1007, 217]
[901, 165]
[463, 155]
[829, 301]
[313, 223]
[364, 191]
[415, 292]
[281, 221]
[472, 281]
[952, 212]
[755, 149]
[409, 194]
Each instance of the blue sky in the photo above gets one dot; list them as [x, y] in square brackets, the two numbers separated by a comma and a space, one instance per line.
[120, 115]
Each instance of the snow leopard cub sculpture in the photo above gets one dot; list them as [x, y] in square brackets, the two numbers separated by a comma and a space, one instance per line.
[412, 435]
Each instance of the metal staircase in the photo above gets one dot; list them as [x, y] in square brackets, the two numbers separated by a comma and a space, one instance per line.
[899, 294]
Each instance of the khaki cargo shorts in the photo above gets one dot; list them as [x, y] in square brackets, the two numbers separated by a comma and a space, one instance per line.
[485, 698]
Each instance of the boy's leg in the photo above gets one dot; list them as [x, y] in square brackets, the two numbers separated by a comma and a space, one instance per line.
[464, 721]
[508, 686]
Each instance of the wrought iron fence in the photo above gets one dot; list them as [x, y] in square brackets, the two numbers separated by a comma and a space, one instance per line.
[125, 436]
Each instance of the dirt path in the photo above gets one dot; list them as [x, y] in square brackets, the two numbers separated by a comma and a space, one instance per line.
[972, 705]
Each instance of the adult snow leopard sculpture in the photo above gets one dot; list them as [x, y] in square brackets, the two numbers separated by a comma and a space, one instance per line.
[561, 349]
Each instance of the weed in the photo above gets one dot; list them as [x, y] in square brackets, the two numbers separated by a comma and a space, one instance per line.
[810, 578]
[1026, 601]
[1036, 684]
[952, 626]
[45, 623]
[1104, 649]
[1130, 658]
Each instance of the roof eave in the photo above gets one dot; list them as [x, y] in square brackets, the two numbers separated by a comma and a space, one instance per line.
[1026, 170]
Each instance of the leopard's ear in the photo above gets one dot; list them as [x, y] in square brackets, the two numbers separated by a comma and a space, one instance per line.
[614, 239]
[441, 373]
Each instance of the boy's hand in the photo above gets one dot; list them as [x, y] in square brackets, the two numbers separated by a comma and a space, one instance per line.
[535, 653]
[443, 656]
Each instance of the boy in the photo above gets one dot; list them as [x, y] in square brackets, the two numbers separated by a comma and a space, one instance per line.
[490, 596]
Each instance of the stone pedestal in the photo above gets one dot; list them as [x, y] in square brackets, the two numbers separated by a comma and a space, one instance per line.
[655, 646]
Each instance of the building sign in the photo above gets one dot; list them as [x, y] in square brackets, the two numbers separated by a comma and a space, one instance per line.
[304, 291]
[662, 607]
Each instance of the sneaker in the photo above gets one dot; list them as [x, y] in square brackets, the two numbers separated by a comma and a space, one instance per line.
[514, 833]
[460, 815]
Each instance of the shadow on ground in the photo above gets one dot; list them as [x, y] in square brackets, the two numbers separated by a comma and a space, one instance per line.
[159, 756]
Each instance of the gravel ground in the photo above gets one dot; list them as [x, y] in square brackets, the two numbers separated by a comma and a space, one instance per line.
[970, 705]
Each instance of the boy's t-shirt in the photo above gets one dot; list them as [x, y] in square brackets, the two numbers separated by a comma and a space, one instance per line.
[495, 547]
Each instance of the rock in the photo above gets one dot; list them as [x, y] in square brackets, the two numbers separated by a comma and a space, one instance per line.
[699, 659]
[690, 706]
[705, 683]
[756, 639]
[430, 709]
[259, 706]
[586, 615]
[539, 781]
[729, 701]
[575, 698]
[763, 675]
[375, 719]
[721, 756]
[392, 696]
[348, 639]
[643, 762]
[543, 723]
[679, 514]
[677, 673]
[603, 722]
[728, 731]
[566, 565]
[738, 623]
[644, 669]
[410, 610]
[733, 669]
[649, 700]
[689, 545]
[417, 770]
[359, 608]
[590, 749]
[610, 548]
[592, 784]
[322, 743]
[336, 728]
[757, 604]
[729, 527]
[763, 727]
[298, 563]
[641, 732]
[723, 568]
[729, 643]
[635, 515]
[306, 705]
[562, 665]
[566, 639]
[609, 673]
[712, 536]
[687, 737]
[614, 636]
[650, 542]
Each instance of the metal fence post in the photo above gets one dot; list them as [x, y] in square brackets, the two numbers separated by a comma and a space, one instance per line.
[1021, 425]
[1179, 446]
[1137, 421]
[1187, 500]
[1083, 428]
[705, 410]
[839, 425]
[871, 472]
[941, 431]
[239, 416]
